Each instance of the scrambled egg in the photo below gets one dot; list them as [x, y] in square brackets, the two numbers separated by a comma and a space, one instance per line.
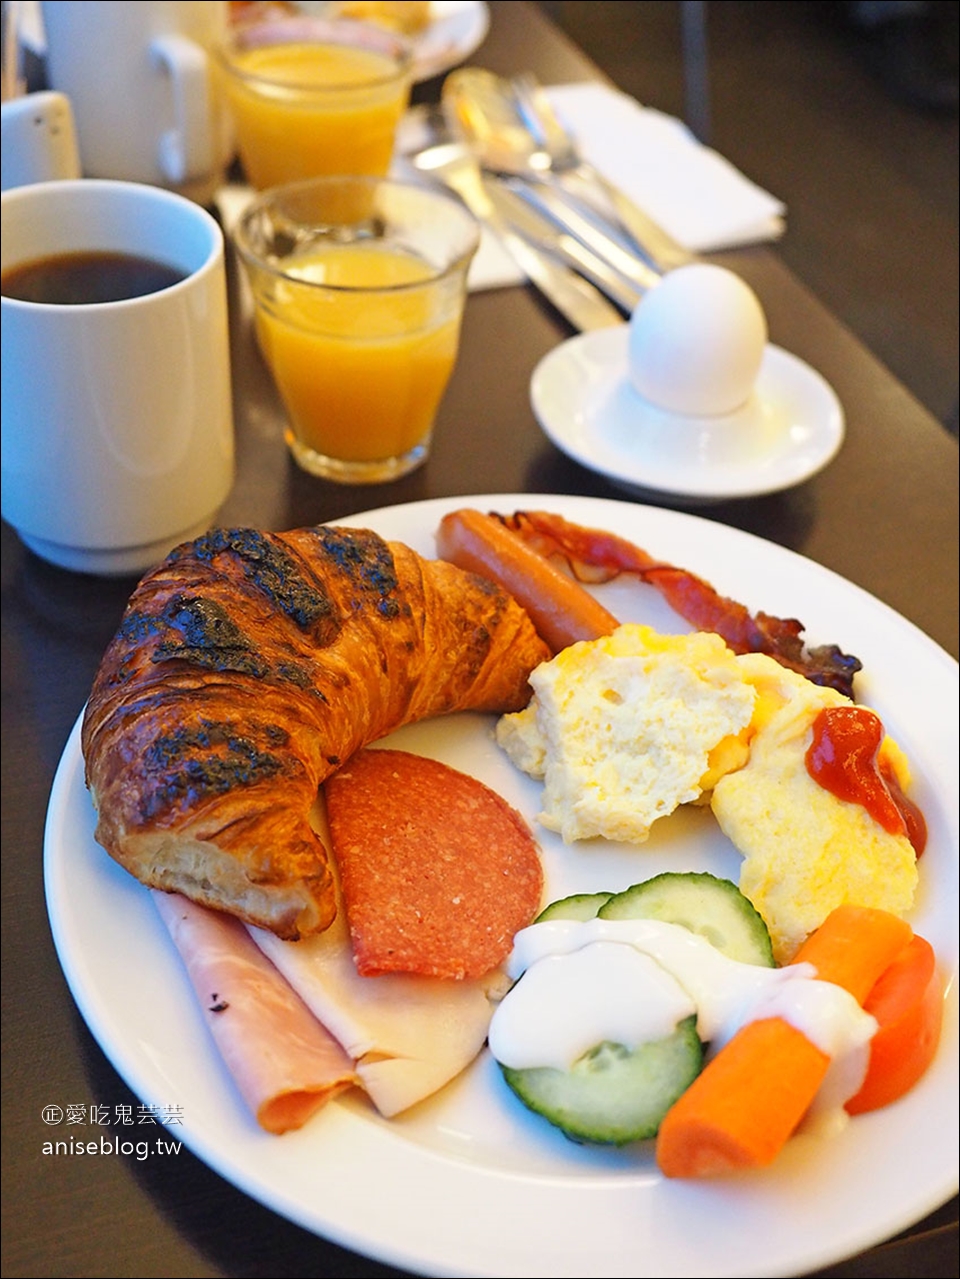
[805, 851]
[622, 729]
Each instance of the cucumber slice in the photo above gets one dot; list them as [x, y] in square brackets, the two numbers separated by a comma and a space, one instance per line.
[714, 908]
[612, 1094]
[580, 906]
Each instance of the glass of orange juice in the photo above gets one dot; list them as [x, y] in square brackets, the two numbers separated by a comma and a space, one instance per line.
[310, 96]
[359, 286]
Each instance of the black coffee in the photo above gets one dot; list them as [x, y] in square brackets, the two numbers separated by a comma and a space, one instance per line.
[77, 279]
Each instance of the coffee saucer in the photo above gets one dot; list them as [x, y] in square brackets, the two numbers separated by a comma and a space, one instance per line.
[789, 429]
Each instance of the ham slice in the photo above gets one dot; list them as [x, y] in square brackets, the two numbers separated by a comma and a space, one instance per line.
[284, 1063]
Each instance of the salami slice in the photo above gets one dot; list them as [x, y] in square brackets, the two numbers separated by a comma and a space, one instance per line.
[438, 872]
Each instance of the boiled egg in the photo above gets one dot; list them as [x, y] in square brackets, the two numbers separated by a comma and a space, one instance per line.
[696, 341]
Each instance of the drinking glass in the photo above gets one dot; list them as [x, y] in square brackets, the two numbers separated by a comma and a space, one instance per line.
[359, 286]
[311, 97]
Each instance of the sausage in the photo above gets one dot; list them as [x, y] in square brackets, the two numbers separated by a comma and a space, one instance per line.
[561, 609]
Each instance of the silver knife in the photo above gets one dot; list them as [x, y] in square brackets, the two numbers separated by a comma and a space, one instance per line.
[537, 227]
[570, 216]
[574, 297]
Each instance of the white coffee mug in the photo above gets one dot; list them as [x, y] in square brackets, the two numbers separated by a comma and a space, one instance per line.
[144, 94]
[117, 427]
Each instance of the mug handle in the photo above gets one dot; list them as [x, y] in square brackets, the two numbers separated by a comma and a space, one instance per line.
[186, 151]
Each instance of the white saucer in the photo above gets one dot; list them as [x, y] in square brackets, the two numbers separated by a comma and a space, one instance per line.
[790, 428]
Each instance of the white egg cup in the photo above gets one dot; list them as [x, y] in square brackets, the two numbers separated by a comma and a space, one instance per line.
[790, 426]
[689, 401]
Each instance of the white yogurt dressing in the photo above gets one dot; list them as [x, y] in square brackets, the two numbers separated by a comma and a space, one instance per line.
[630, 981]
[556, 1013]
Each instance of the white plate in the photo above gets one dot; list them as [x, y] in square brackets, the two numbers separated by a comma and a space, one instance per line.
[582, 397]
[469, 1183]
[455, 30]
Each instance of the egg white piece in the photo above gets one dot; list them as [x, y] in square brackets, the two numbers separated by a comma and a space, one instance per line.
[625, 728]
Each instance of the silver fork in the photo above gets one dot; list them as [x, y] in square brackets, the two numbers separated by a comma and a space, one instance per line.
[560, 155]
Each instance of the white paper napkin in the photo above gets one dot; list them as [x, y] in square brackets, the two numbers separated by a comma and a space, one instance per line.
[695, 194]
[493, 267]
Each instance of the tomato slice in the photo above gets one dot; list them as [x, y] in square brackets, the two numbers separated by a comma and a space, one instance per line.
[907, 1001]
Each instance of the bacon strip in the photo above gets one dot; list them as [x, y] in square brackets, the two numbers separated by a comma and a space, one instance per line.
[593, 555]
[284, 1063]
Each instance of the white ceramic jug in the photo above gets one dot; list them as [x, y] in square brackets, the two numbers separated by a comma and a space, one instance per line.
[143, 92]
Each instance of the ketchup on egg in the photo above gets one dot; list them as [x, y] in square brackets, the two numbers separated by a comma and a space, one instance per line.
[843, 759]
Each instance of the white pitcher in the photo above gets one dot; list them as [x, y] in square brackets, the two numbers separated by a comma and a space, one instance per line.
[143, 92]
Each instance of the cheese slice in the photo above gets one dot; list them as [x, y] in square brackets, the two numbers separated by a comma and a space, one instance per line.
[407, 1035]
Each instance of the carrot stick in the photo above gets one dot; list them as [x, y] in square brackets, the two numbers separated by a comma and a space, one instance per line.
[561, 609]
[853, 946]
[740, 1111]
[907, 1002]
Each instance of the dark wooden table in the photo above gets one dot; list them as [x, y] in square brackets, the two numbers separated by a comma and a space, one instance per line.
[883, 515]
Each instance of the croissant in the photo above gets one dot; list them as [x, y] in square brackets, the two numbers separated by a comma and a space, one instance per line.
[247, 667]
